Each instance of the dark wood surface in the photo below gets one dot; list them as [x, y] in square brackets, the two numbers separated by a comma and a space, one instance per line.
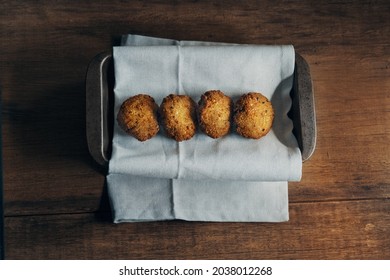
[55, 201]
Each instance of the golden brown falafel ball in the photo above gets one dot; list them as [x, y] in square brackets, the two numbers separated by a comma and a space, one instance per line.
[178, 116]
[137, 116]
[253, 115]
[215, 113]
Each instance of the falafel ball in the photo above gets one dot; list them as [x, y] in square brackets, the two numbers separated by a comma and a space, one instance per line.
[137, 116]
[215, 113]
[253, 115]
[178, 117]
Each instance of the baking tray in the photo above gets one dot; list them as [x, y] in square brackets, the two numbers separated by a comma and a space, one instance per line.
[100, 102]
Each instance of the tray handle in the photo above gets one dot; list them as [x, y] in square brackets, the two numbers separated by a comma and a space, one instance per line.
[303, 109]
[98, 82]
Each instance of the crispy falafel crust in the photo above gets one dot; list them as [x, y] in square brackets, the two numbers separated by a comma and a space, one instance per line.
[137, 116]
[214, 113]
[178, 116]
[253, 115]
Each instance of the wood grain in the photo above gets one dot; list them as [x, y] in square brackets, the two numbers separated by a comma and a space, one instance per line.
[55, 200]
[314, 232]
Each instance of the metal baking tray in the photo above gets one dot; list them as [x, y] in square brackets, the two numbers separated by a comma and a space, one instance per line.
[100, 118]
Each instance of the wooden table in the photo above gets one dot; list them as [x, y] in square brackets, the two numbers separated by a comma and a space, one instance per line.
[55, 200]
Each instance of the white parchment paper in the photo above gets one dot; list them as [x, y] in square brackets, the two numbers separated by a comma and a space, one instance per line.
[227, 179]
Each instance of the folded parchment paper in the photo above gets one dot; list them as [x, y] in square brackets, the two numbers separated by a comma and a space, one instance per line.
[227, 179]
